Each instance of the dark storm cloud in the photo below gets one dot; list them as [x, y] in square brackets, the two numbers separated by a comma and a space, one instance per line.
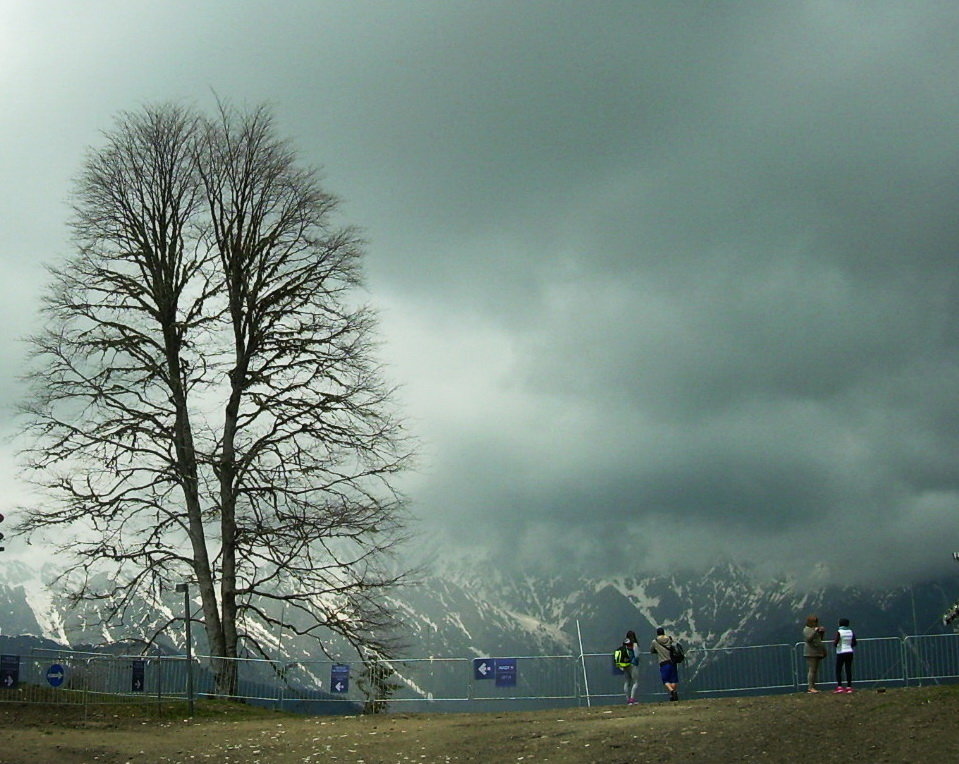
[691, 265]
[751, 309]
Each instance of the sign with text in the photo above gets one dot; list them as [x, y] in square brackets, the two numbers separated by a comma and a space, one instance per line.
[505, 669]
[340, 677]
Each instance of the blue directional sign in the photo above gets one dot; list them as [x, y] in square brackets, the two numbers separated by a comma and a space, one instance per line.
[9, 671]
[137, 681]
[483, 668]
[340, 677]
[505, 670]
[55, 675]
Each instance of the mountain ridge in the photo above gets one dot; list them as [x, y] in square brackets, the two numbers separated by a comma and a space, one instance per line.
[476, 611]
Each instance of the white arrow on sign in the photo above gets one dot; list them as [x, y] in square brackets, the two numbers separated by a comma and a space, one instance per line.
[339, 686]
[8, 680]
[55, 675]
[483, 669]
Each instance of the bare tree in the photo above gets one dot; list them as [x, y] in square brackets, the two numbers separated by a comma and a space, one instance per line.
[307, 445]
[204, 398]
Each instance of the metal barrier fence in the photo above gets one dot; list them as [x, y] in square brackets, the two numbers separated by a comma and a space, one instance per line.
[740, 669]
[879, 660]
[930, 658]
[439, 684]
[93, 678]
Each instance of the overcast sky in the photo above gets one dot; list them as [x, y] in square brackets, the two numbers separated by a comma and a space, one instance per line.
[662, 283]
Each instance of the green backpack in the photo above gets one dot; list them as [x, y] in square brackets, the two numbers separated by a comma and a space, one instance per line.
[622, 656]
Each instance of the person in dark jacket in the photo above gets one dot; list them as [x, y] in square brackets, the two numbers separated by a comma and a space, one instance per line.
[667, 669]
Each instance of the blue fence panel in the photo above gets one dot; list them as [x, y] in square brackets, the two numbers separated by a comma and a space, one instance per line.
[547, 677]
[931, 658]
[67, 677]
[429, 679]
[740, 669]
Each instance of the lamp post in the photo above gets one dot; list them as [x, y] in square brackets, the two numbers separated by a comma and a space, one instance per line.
[185, 588]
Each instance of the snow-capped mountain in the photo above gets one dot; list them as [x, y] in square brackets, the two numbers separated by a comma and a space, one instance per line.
[480, 612]
[476, 611]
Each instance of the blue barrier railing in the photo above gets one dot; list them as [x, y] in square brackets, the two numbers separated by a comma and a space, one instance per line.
[441, 684]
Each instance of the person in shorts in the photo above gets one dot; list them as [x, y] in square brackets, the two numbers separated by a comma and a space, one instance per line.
[668, 672]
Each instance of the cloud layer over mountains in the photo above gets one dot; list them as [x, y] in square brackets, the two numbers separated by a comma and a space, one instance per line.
[661, 283]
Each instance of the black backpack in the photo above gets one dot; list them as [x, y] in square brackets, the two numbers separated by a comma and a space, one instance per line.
[676, 653]
[621, 656]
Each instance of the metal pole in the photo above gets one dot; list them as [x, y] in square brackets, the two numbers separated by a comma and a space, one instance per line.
[582, 659]
[185, 588]
[159, 660]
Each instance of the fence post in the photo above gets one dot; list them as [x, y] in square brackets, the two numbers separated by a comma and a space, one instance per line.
[282, 673]
[159, 685]
[185, 588]
[905, 665]
[582, 659]
[797, 666]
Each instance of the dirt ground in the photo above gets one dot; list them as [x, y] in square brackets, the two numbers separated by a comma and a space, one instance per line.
[895, 725]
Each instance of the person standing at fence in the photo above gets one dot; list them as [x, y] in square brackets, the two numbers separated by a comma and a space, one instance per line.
[814, 651]
[668, 672]
[845, 642]
[627, 661]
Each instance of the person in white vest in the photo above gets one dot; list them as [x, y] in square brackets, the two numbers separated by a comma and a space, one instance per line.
[845, 642]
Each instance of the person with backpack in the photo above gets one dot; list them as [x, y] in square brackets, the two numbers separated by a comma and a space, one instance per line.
[625, 658]
[845, 643]
[663, 647]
